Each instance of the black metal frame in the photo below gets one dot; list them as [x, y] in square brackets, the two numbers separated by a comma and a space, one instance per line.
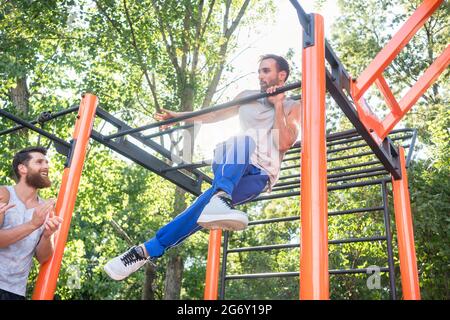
[387, 237]
[374, 175]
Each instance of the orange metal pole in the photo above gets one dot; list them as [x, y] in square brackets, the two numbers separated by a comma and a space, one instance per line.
[424, 82]
[388, 95]
[405, 234]
[394, 46]
[48, 275]
[314, 275]
[213, 264]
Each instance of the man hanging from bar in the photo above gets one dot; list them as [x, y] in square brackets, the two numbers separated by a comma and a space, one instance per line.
[27, 222]
[244, 166]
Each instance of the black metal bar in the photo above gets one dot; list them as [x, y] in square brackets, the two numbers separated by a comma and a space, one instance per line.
[224, 265]
[167, 131]
[362, 145]
[342, 135]
[203, 163]
[290, 167]
[335, 83]
[356, 146]
[330, 188]
[345, 174]
[149, 143]
[262, 275]
[150, 162]
[30, 126]
[296, 184]
[51, 116]
[302, 16]
[411, 148]
[296, 175]
[338, 72]
[346, 136]
[363, 239]
[330, 151]
[390, 252]
[354, 271]
[384, 152]
[367, 175]
[296, 274]
[363, 154]
[351, 211]
[334, 213]
[264, 248]
[297, 245]
[357, 165]
[193, 114]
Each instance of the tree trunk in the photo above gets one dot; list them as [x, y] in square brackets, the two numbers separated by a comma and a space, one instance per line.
[20, 96]
[174, 275]
[174, 268]
[148, 291]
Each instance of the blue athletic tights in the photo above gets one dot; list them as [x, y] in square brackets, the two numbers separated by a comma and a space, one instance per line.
[233, 173]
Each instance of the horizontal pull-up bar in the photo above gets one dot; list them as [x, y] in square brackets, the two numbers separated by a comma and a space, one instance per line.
[28, 125]
[49, 116]
[218, 107]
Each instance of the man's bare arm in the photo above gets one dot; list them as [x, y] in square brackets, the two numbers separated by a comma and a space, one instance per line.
[10, 236]
[210, 117]
[288, 127]
[4, 198]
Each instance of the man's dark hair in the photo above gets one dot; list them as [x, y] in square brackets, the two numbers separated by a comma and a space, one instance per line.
[282, 64]
[23, 157]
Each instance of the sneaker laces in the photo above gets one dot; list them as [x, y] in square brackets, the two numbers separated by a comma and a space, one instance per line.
[132, 256]
[227, 202]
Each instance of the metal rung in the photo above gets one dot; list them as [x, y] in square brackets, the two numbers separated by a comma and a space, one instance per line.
[296, 274]
[297, 245]
[334, 213]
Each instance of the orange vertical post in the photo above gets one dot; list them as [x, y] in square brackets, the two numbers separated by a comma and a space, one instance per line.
[213, 265]
[405, 234]
[314, 275]
[48, 274]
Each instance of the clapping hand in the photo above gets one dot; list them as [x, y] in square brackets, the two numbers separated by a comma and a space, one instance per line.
[52, 224]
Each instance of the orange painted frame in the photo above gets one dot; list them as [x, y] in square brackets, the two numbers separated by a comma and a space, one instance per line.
[314, 274]
[374, 73]
[424, 82]
[48, 274]
[405, 234]
[394, 46]
[213, 265]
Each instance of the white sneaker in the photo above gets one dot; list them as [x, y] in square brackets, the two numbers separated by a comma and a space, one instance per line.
[128, 262]
[219, 213]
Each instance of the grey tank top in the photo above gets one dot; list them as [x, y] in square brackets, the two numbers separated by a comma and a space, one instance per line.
[16, 259]
[256, 120]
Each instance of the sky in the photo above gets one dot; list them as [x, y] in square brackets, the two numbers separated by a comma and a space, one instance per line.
[278, 37]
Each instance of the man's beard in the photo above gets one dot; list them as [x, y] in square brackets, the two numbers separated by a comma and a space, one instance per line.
[36, 180]
[264, 86]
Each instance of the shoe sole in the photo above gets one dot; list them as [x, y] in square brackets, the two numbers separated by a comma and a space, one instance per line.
[112, 275]
[224, 223]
